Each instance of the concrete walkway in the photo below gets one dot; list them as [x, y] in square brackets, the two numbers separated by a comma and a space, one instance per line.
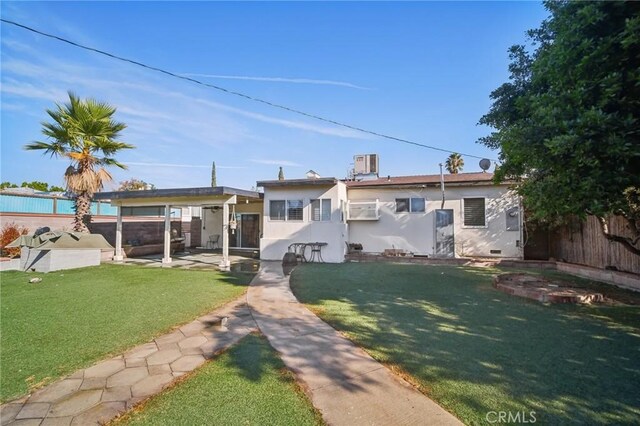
[99, 393]
[345, 384]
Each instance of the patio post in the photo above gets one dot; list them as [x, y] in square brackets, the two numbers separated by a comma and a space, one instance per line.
[225, 264]
[167, 234]
[118, 254]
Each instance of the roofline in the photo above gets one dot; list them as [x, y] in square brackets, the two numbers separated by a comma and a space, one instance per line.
[391, 185]
[176, 192]
[298, 182]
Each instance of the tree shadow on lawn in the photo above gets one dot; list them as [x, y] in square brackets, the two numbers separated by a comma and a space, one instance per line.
[477, 350]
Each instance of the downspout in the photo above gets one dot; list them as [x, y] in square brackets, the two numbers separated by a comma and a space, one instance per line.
[442, 186]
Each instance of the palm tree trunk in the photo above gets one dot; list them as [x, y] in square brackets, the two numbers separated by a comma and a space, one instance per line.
[83, 209]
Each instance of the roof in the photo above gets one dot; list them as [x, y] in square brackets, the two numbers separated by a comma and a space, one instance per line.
[176, 192]
[457, 179]
[297, 182]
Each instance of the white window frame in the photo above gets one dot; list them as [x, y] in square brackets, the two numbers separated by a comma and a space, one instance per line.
[374, 203]
[486, 222]
[286, 210]
[322, 202]
[410, 205]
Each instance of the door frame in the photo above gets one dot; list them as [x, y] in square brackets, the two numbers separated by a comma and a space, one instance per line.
[453, 234]
[239, 230]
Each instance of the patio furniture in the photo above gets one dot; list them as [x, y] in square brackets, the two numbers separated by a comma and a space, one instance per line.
[213, 242]
[316, 251]
[298, 249]
[353, 248]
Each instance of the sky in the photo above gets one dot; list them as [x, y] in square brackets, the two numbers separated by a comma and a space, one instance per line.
[421, 71]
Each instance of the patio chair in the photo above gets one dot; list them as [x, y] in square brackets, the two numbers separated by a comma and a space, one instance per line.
[298, 249]
[214, 242]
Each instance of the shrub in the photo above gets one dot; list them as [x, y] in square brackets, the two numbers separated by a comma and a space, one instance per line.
[9, 232]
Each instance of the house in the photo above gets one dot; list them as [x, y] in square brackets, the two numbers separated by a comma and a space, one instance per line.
[403, 214]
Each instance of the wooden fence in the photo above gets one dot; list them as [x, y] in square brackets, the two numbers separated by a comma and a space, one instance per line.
[583, 243]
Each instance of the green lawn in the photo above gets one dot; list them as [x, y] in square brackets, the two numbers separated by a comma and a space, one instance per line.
[474, 349]
[76, 317]
[248, 385]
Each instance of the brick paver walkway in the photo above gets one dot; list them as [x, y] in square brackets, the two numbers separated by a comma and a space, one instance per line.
[101, 392]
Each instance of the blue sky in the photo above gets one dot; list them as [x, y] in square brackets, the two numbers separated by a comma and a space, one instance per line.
[419, 71]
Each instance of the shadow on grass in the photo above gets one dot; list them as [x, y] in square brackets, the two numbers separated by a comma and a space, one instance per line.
[476, 350]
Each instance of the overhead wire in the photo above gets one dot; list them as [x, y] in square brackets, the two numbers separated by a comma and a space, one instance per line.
[235, 93]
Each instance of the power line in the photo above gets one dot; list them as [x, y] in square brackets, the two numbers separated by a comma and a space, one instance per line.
[231, 92]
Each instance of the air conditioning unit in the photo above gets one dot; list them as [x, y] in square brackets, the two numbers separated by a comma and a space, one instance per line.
[365, 164]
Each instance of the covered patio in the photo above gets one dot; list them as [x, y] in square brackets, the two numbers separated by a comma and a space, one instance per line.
[223, 211]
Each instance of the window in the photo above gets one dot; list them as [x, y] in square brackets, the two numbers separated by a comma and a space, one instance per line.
[276, 210]
[474, 214]
[410, 205]
[321, 209]
[294, 209]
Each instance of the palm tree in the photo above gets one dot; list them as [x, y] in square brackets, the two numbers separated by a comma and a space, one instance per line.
[454, 163]
[84, 132]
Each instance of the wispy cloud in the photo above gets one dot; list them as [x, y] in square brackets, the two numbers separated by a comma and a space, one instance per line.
[276, 163]
[280, 80]
[193, 166]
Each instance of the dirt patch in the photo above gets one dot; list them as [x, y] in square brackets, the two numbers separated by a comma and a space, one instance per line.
[546, 290]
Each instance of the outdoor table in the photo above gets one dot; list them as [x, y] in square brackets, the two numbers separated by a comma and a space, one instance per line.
[316, 251]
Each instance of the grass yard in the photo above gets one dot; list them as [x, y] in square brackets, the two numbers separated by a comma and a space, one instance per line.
[248, 385]
[475, 350]
[76, 317]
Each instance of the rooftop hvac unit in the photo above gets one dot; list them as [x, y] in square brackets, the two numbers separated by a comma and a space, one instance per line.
[365, 164]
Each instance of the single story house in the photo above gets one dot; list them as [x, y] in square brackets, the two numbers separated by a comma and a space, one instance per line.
[474, 217]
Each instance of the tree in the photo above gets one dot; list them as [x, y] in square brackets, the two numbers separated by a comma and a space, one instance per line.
[5, 185]
[454, 163]
[214, 180]
[84, 132]
[134, 184]
[37, 185]
[567, 124]
[281, 174]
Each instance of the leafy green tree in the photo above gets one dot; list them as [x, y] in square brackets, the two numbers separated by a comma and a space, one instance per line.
[280, 174]
[567, 124]
[5, 185]
[83, 131]
[454, 163]
[214, 179]
[37, 185]
[134, 184]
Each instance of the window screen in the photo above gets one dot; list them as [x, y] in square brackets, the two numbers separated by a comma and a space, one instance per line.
[276, 210]
[474, 214]
[294, 209]
[321, 209]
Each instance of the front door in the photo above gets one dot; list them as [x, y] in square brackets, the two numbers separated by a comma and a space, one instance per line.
[247, 233]
[445, 246]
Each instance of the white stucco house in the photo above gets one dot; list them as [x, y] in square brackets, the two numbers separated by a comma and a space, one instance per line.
[405, 214]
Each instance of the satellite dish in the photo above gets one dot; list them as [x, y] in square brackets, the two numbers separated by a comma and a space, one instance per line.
[485, 163]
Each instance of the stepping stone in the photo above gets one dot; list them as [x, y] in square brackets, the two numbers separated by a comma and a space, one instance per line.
[159, 369]
[94, 383]
[57, 421]
[187, 363]
[192, 329]
[104, 369]
[56, 391]
[99, 414]
[142, 351]
[193, 342]
[136, 362]
[174, 337]
[164, 357]
[151, 385]
[127, 377]
[8, 412]
[117, 393]
[33, 410]
[76, 403]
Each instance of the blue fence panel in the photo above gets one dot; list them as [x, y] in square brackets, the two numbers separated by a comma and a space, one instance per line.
[108, 210]
[65, 207]
[17, 204]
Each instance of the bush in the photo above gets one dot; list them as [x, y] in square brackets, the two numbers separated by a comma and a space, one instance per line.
[10, 232]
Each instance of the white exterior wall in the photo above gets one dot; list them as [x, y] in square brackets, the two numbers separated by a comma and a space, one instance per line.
[415, 232]
[277, 235]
